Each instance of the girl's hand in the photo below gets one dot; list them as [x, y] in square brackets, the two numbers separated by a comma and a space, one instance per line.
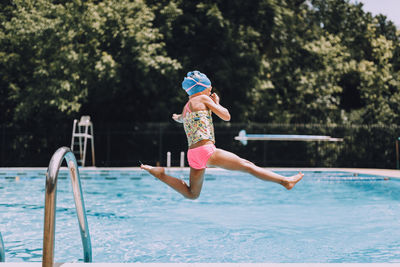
[215, 98]
[177, 117]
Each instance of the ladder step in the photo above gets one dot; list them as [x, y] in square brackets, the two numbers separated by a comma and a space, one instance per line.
[82, 135]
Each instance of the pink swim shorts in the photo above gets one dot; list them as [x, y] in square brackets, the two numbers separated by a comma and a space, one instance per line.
[198, 157]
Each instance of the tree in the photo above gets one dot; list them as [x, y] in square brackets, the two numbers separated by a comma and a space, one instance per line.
[224, 39]
[58, 57]
[379, 85]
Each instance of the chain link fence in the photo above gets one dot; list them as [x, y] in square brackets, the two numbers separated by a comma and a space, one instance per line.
[124, 144]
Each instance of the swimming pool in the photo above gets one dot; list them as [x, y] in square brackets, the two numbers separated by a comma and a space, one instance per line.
[327, 217]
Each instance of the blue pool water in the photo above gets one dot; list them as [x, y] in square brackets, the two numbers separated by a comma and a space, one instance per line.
[327, 217]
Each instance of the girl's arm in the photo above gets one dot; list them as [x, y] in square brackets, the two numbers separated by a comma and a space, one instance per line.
[212, 102]
[177, 117]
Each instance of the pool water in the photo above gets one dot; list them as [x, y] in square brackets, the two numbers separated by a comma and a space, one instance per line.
[329, 217]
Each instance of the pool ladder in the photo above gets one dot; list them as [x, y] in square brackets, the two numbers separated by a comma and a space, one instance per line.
[2, 255]
[50, 205]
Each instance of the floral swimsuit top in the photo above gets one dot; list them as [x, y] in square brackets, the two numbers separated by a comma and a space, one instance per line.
[198, 125]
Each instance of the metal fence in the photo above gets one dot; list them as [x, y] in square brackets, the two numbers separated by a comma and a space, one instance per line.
[123, 144]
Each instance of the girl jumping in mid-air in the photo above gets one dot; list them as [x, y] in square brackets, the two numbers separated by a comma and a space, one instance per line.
[198, 125]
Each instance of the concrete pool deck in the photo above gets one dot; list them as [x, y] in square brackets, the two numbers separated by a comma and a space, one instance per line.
[380, 172]
[39, 264]
[370, 171]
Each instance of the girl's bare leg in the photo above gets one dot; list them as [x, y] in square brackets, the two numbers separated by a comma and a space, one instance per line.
[230, 161]
[191, 191]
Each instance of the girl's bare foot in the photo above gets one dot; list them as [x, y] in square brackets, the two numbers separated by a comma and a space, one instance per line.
[155, 171]
[292, 181]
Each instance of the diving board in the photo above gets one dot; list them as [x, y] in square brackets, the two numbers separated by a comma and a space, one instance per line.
[243, 137]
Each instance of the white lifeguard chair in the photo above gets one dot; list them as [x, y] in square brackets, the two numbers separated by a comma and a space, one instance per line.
[82, 130]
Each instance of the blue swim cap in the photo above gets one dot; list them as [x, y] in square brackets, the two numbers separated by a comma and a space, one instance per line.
[195, 82]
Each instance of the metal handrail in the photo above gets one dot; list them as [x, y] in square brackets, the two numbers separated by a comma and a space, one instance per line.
[2, 254]
[50, 205]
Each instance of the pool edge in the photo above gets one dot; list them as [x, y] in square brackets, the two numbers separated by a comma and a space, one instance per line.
[393, 173]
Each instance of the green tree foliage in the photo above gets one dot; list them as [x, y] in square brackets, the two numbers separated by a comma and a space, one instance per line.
[318, 61]
[331, 63]
[370, 86]
[224, 39]
[379, 85]
[67, 57]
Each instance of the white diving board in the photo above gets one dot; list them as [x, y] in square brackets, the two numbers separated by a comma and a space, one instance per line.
[243, 137]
